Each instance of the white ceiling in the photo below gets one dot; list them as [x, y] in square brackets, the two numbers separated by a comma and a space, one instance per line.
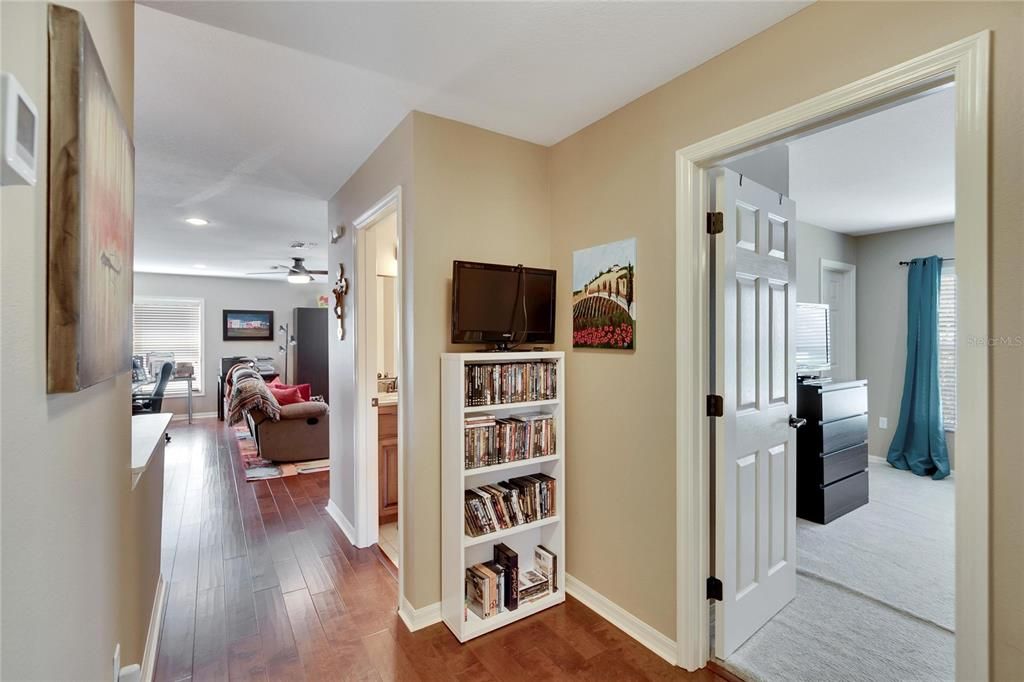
[253, 114]
[888, 171]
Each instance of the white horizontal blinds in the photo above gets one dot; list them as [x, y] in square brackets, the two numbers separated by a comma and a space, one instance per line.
[171, 325]
[947, 345]
[813, 337]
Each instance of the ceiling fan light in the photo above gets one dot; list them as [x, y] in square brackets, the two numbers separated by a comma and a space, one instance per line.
[299, 278]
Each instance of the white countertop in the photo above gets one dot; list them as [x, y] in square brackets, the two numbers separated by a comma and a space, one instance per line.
[147, 433]
[387, 398]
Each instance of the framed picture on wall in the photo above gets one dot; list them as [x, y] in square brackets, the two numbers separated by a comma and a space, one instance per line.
[604, 296]
[248, 325]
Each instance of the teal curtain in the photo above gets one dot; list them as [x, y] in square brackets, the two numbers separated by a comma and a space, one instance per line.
[919, 444]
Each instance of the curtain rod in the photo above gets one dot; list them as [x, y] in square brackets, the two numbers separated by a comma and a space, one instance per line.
[906, 262]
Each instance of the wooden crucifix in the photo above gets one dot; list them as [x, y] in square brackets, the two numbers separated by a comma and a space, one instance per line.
[339, 290]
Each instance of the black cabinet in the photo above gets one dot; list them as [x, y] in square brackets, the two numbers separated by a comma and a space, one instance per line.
[831, 449]
[311, 336]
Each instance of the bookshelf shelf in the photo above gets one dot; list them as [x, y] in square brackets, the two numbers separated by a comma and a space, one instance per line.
[469, 540]
[508, 466]
[506, 407]
[459, 551]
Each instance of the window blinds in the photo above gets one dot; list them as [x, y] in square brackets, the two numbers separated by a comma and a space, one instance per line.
[171, 325]
[947, 345]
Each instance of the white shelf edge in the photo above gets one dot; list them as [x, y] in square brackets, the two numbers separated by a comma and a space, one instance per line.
[472, 409]
[474, 626]
[506, 466]
[469, 541]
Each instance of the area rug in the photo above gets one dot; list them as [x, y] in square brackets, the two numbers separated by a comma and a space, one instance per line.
[259, 469]
[875, 591]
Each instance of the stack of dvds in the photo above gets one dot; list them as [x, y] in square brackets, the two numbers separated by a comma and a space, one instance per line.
[506, 504]
[490, 440]
[510, 382]
[498, 585]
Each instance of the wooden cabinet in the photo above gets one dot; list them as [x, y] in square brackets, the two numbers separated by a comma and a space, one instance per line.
[832, 449]
[387, 463]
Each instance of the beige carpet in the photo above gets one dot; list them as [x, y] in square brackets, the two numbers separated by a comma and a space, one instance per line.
[875, 592]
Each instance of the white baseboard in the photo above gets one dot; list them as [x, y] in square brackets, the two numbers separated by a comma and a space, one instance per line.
[622, 619]
[417, 619]
[195, 415]
[334, 511]
[156, 619]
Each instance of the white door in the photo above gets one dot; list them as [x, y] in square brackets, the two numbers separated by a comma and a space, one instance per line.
[755, 373]
[838, 290]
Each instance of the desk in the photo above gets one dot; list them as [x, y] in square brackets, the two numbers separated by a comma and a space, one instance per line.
[147, 437]
[136, 385]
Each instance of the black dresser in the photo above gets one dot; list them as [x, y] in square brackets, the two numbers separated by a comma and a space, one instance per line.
[831, 449]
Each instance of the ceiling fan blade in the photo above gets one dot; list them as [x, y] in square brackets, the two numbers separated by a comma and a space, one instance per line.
[272, 272]
[317, 272]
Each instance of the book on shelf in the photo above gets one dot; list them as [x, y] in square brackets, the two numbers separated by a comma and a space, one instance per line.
[477, 592]
[490, 440]
[532, 585]
[509, 560]
[546, 563]
[506, 504]
[510, 382]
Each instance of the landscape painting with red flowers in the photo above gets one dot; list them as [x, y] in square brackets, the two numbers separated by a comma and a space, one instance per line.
[604, 296]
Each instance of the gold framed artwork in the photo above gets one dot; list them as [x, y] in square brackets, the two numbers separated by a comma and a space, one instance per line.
[90, 215]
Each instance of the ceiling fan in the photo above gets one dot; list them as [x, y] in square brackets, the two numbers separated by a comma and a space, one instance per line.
[297, 272]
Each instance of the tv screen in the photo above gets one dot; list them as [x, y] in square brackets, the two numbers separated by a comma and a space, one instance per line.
[502, 304]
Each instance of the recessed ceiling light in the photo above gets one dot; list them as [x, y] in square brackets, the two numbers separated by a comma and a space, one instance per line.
[198, 222]
[200, 266]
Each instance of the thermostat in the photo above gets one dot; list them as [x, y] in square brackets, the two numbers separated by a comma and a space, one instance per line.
[20, 133]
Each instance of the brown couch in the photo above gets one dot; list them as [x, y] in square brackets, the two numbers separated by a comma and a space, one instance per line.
[284, 433]
[301, 434]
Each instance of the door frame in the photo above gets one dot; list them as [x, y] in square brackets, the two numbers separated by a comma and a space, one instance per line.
[839, 266]
[365, 469]
[966, 64]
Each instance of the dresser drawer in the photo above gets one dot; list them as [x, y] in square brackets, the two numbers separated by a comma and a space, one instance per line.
[842, 403]
[824, 504]
[841, 464]
[844, 433]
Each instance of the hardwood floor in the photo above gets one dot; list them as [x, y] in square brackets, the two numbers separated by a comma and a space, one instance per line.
[264, 586]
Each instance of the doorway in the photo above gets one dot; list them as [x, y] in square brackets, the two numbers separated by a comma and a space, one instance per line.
[964, 63]
[839, 292]
[378, 388]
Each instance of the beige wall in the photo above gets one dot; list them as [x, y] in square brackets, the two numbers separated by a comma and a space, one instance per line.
[388, 167]
[615, 179]
[67, 598]
[882, 317]
[231, 293]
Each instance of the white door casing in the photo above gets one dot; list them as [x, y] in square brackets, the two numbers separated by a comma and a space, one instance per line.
[755, 448]
[839, 291]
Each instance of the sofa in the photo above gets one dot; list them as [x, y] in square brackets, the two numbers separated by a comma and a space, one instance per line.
[293, 432]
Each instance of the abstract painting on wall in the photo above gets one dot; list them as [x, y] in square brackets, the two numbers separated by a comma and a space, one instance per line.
[91, 215]
[604, 296]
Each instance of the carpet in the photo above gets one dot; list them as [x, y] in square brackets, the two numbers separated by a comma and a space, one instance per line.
[875, 591]
[259, 469]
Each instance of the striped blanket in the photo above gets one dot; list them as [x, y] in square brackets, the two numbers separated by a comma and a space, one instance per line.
[249, 392]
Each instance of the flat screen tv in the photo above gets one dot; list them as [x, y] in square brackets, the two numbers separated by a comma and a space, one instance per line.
[505, 305]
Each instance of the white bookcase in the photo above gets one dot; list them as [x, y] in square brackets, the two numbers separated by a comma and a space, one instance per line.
[458, 550]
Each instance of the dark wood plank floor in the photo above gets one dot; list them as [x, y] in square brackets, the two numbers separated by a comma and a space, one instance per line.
[264, 586]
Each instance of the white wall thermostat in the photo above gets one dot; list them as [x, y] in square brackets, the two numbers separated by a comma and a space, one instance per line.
[20, 133]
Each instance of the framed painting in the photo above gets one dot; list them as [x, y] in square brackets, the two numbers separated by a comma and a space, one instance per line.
[90, 215]
[604, 296]
[248, 325]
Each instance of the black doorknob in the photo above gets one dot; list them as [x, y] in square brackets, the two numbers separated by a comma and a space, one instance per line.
[796, 422]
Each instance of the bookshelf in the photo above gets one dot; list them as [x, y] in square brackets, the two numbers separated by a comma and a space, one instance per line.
[460, 550]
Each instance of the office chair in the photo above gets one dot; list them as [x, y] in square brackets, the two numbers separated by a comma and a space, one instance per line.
[155, 400]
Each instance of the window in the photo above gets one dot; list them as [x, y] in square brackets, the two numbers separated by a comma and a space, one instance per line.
[947, 346]
[171, 325]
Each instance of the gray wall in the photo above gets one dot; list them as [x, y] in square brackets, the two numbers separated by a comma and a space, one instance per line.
[812, 244]
[882, 318]
[768, 167]
[218, 294]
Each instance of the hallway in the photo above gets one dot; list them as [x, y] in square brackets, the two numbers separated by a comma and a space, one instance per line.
[263, 585]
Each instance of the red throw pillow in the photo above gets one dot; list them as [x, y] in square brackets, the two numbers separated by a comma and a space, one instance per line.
[304, 391]
[286, 395]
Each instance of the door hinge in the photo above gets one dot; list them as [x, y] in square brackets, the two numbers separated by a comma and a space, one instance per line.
[714, 588]
[716, 222]
[716, 406]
